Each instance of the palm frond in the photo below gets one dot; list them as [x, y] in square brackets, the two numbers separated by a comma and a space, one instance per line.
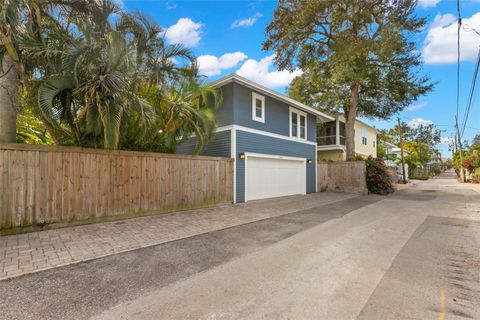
[49, 104]
[110, 115]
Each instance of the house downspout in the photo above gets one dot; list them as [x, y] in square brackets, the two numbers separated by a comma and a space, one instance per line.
[337, 131]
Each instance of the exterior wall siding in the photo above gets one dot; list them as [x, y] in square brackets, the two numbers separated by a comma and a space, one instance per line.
[277, 114]
[251, 142]
[218, 147]
[236, 109]
[311, 128]
[364, 150]
[369, 149]
[331, 155]
[224, 113]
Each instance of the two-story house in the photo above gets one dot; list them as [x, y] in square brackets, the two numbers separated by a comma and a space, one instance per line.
[331, 139]
[272, 138]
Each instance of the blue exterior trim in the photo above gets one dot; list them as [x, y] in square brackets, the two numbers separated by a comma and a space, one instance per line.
[218, 147]
[256, 143]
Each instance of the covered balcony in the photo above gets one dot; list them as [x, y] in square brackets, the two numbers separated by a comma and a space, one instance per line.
[331, 135]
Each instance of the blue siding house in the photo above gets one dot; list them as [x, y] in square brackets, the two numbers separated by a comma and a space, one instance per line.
[271, 137]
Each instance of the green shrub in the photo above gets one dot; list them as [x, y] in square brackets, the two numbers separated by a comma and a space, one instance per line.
[419, 176]
[378, 179]
[436, 169]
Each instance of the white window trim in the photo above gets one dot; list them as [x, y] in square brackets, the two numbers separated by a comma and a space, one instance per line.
[299, 113]
[256, 96]
[364, 137]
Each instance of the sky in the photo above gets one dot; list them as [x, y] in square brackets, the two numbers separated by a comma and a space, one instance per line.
[227, 37]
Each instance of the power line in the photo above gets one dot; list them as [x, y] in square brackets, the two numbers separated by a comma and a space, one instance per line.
[471, 98]
[470, 29]
[459, 23]
[458, 89]
[471, 95]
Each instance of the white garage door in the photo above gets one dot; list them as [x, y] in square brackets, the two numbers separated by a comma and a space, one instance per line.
[267, 177]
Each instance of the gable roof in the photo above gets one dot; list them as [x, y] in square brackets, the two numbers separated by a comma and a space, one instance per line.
[339, 114]
[258, 87]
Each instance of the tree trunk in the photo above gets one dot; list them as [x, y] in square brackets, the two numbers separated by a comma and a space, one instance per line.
[9, 85]
[350, 116]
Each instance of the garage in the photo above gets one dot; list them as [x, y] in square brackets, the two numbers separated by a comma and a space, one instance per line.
[268, 176]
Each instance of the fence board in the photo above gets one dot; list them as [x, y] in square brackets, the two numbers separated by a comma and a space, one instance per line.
[42, 183]
[342, 176]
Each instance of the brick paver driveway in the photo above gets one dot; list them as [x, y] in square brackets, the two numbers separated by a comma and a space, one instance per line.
[27, 253]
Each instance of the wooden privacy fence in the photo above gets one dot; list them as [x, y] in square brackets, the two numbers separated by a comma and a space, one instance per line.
[348, 176]
[51, 184]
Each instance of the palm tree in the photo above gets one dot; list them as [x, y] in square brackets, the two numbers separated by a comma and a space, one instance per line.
[190, 112]
[94, 90]
[10, 65]
[99, 77]
[9, 83]
[22, 25]
[154, 58]
[94, 85]
[182, 111]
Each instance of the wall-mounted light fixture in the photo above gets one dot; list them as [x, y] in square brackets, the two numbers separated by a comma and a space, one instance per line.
[309, 161]
[241, 155]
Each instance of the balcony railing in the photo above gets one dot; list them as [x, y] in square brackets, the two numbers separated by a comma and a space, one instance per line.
[330, 140]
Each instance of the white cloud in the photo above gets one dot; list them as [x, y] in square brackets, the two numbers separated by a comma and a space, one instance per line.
[258, 71]
[415, 107]
[245, 23]
[185, 31]
[428, 3]
[419, 122]
[211, 65]
[441, 40]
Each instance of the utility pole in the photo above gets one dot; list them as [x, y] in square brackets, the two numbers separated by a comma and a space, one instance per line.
[401, 151]
[462, 171]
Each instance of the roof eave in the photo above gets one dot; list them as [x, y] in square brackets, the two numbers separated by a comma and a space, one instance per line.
[235, 77]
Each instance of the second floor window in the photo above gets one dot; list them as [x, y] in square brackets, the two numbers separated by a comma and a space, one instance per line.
[298, 124]
[258, 107]
[364, 137]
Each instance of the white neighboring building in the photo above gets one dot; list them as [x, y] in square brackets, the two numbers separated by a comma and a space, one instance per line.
[393, 150]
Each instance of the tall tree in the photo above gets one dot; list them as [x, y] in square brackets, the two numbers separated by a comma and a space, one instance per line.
[11, 67]
[9, 83]
[427, 134]
[356, 55]
[23, 25]
[86, 69]
[93, 87]
[185, 110]
[420, 142]
[476, 140]
[107, 57]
